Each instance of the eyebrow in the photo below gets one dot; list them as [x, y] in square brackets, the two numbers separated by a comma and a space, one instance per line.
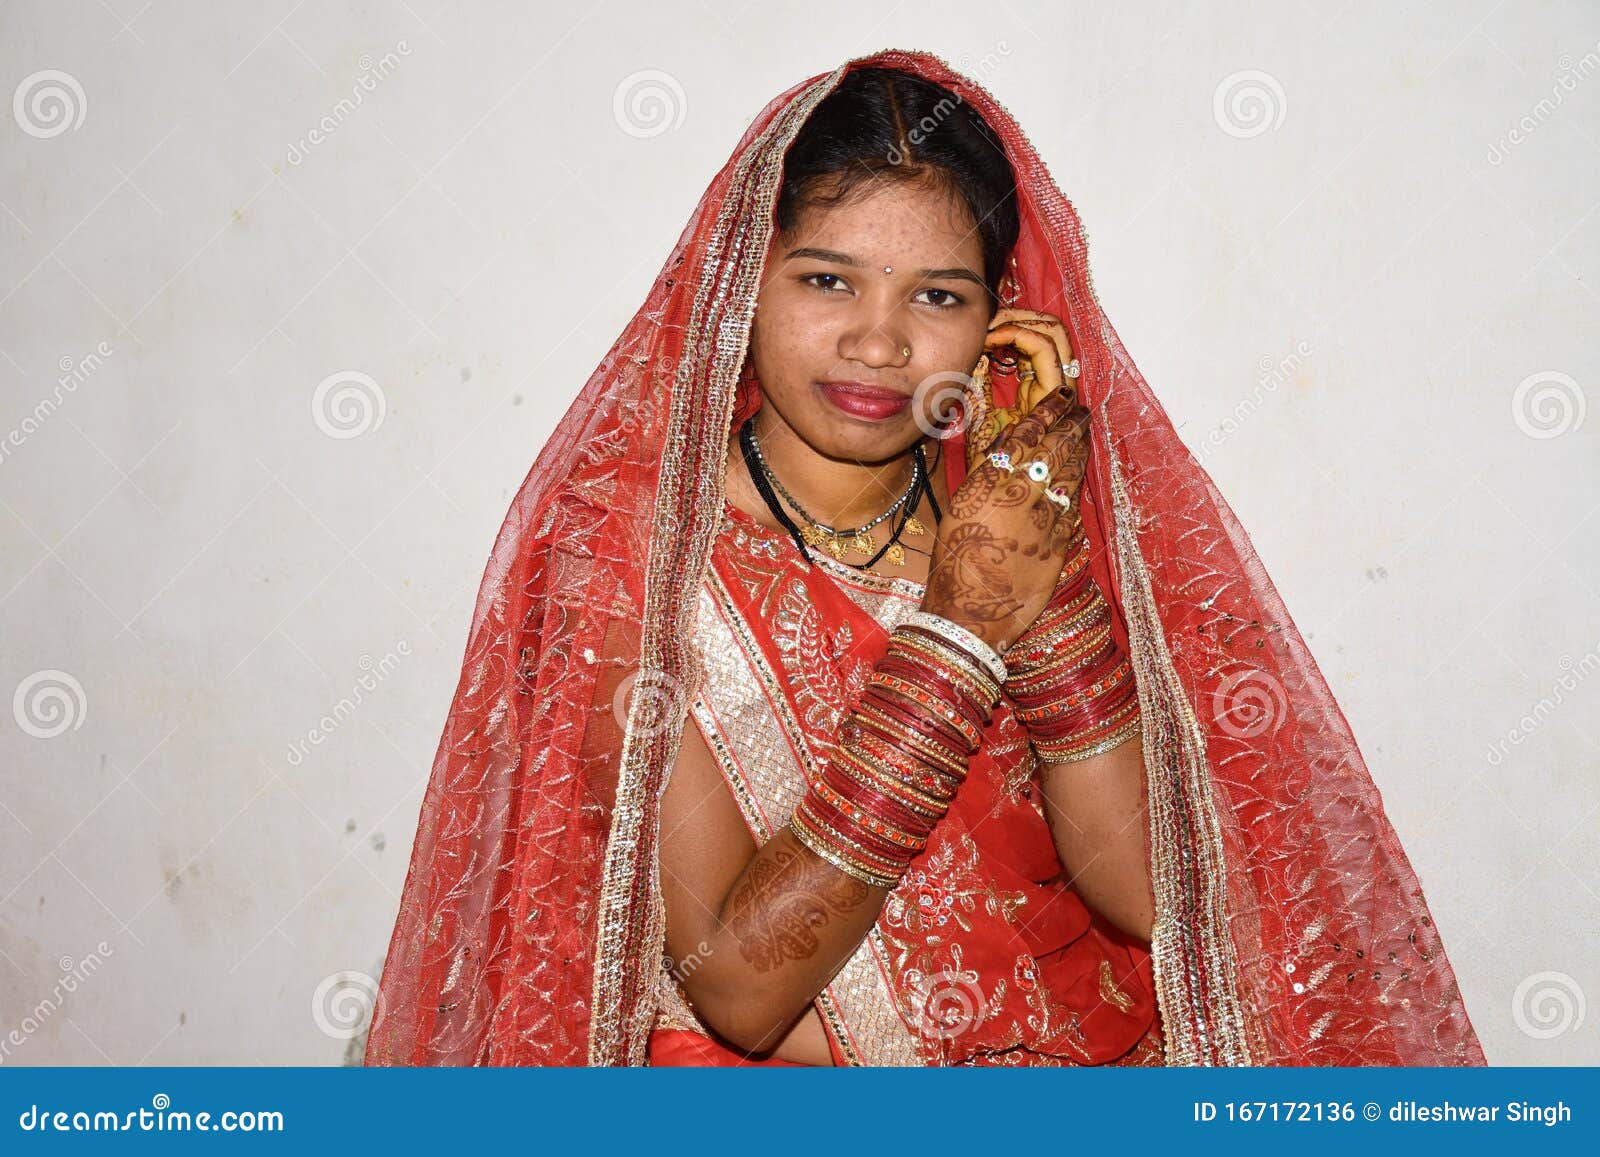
[959, 272]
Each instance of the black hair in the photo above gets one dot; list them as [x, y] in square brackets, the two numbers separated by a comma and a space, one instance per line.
[881, 122]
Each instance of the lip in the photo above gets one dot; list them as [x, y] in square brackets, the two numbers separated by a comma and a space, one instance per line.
[860, 400]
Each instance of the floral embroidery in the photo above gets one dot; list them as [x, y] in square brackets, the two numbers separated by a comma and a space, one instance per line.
[946, 884]
[824, 678]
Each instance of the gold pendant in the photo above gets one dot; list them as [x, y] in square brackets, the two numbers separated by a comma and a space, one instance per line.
[862, 543]
[836, 547]
[813, 535]
[896, 554]
[914, 526]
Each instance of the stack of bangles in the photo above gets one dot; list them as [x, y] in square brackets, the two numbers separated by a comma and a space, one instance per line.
[903, 750]
[1072, 685]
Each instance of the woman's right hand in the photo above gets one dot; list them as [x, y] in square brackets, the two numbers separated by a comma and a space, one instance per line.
[1001, 547]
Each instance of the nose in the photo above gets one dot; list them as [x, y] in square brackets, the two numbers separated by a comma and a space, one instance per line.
[877, 343]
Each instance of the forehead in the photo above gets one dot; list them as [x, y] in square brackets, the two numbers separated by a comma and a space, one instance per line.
[891, 221]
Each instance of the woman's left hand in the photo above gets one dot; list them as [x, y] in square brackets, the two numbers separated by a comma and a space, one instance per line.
[1024, 329]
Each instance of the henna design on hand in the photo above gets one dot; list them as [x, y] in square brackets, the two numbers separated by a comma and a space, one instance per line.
[783, 898]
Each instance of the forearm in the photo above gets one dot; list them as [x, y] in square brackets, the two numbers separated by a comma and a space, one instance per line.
[1097, 815]
[807, 897]
[1076, 693]
[784, 930]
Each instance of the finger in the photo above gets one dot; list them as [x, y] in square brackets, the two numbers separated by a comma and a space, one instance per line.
[1042, 351]
[1035, 386]
[1051, 326]
[1065, 446]
[1043, 416]
[1057, 333]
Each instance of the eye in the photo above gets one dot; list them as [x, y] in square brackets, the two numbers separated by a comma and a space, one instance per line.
[811, 279]
[949, 300]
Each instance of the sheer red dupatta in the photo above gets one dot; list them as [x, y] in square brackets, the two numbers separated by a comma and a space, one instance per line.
[1290, 926]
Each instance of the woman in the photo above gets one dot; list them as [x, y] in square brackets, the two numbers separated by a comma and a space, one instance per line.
[806, 722]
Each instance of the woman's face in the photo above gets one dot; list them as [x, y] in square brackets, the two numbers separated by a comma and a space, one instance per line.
[844, 295]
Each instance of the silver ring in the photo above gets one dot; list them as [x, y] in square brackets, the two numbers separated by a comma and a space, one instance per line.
[1001, 459]
[1072, 369]
[1059, 495]
[1038, 470]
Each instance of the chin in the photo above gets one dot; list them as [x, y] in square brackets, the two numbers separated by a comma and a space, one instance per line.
[861, 441]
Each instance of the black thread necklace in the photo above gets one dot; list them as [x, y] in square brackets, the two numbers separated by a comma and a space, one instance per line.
[902, 514]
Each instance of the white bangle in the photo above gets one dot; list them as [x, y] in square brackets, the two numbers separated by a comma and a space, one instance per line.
[963, 638]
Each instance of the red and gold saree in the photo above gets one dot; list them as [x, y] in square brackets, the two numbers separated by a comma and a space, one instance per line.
[625, 600]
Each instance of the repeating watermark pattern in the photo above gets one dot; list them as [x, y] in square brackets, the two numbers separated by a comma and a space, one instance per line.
[344, 1004]
[1249, 704]
[951, 1003]
[1249, 103]
[49, 103]
[1574, 672]
[74, 372]
[348, 404]
[944, 404]
[681, 970]
[73, 973]
[373, 73]
[1273, 374]
[981, 68]
[49, 703]
[1548, 1004]
[1548, 404]
[1569, 76]
[660, 697]
[924, 127]
[374, 672]
[648, 103]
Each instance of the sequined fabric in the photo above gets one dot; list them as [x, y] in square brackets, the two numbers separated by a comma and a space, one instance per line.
[983, 948]
[1290, 926]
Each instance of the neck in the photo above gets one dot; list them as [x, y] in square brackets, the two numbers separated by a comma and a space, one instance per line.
[835, 492]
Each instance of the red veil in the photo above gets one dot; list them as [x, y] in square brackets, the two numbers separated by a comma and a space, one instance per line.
[1290, 928]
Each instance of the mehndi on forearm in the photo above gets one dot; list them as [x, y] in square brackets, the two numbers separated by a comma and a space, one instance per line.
[811, 893]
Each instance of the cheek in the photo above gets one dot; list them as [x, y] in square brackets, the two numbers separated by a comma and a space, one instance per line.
[949, 346]
[794, 338]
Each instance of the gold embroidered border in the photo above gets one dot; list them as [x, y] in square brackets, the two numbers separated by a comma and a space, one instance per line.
[743, 703]
[1192, 953]
[630, 927]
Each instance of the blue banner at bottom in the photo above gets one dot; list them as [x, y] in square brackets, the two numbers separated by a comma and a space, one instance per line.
[810, 1111]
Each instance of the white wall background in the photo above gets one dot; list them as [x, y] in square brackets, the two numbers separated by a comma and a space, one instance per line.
[181, 539]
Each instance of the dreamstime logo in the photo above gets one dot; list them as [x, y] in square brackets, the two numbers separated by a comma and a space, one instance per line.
[950, 1003]
[1548, 1004]
[1548, 404]
[47, 104]
[1575, 671]
[345, 1003]
[374, 672]
[648, 103]
[660, 700]
[1272, 375]
[681, 970]
[48, 703]
[1250, 704]
[924, 127]
[372, 72]
[348, 404]
[74, 372]
[1248, 103]
[979, 68]
[1566, 81]
[73, 973]
[946, 403]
